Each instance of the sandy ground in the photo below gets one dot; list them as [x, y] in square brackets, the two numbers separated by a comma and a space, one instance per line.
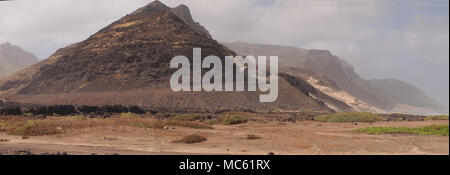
[305, 137]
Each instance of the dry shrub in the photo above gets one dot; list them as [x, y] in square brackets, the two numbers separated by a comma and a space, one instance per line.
[68, 123]
[11, 121]
[49, 126]
[437, 117]
[160, 124]
[110, 138]
[252, 137]
[188, 117]
[187, 124]
[233, 119]
[57, 125]
[348, 117]
[37, 129]
[190, 139]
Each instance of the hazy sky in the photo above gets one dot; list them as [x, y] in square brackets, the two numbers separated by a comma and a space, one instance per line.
[403, 39]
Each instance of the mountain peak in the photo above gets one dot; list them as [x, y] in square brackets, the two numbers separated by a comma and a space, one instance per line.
[5, 44]
[8, 46]
[130, 59]
[154, 6]
[183, 8]
[183, 12]
[13, 58]
[129, 54]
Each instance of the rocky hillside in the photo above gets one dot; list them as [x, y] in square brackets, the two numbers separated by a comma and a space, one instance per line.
[366, 95]
[14, 58]
[127, 63]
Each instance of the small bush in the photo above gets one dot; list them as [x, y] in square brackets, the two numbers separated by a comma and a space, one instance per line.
[34, 128]
[77, 117]
[252, 137]
[50, 126]
[213, 121]
[424, 130]
[188, 117]
[9, 123]
[437, 117]
[348, 117]
[2, 124]
[399, 119]
[190, 139]
[138, 125]
[28, 114]
[231, 119]
[196, 125]
[128, 115]
[41, 129]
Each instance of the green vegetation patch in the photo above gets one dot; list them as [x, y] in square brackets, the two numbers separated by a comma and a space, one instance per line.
[188, 117]
[348, 117]
[35, 128]
[76, 117]
[437, 117]
[424, 130]
[138, 125]
[28, 114]
[3, 123]
[22, 129]
[128, 115]
[232, 119]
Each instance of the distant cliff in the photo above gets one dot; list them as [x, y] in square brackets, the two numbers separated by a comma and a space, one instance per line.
[389, 95]
[13, 58]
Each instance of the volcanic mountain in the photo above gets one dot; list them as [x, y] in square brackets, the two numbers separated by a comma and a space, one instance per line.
[127, 63]
[387, 95]
[14, 58]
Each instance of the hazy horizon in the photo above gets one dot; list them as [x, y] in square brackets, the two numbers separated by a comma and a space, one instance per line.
[406, 40]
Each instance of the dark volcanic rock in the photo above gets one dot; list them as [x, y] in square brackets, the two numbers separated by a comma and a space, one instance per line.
[53, 109]
[41, 111]
[128, 63]
[131, 53]
[10, 111]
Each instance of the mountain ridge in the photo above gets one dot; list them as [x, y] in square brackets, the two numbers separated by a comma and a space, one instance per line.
[127, 63]
[323, 62]
[14, 58]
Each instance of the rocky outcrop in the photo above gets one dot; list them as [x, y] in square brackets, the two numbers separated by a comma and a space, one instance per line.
[363, 95]
[127, 63]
